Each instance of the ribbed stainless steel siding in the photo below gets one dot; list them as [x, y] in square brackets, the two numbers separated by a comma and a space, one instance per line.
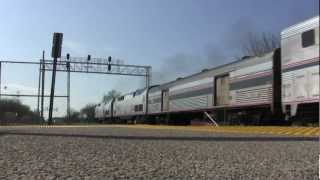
[154, 108]
[251, 95]
[189, 103]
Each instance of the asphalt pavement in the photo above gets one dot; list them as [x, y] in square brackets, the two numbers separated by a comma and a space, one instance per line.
[111, 152]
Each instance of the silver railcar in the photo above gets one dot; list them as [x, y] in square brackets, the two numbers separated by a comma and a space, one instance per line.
[275, 82]
[130, 106]
[300, 65]
[103, 112]
[252, 85]
[208, 90]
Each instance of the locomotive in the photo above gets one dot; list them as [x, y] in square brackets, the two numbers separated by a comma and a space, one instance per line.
[278, 87]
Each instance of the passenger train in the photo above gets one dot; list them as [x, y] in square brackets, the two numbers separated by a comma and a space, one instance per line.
[279, 87]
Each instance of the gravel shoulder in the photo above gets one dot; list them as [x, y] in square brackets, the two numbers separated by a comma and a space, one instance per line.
[127, 153]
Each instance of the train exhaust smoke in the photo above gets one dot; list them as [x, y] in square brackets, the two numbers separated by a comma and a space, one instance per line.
[236, 42]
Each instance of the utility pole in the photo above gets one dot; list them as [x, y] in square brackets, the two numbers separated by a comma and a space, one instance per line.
[68, 87]
[56, 53]
[148, 77]
[39, 84]
[42, 85]
[0, 80]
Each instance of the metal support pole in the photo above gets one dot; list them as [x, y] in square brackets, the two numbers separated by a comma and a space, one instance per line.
[0, 91]
[224, 116]
[0, 80]
[53, 83]
[39, 84]
[42, 85]
[147, 86]
[55, 53]
[68, 93]
[148, 76]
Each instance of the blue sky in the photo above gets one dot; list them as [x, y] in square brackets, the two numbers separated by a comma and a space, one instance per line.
[175, 37]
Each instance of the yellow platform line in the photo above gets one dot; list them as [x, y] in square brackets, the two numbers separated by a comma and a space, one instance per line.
[285, 130]
[290, 130]
[294, 131]
[297, 131]
[275, 130]
[303, 131]
[270, 130]
[279, 130]
[313, 131]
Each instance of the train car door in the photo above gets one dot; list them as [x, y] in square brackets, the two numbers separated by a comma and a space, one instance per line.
[165, 100]
[222, 90]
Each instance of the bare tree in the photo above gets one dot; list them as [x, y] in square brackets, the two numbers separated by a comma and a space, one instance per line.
[16, 111]
[88, 111]
[259, 44]
[74, 117]
[110, 95]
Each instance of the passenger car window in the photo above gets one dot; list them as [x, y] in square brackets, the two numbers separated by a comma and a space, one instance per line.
[308, 38]
[140, 107]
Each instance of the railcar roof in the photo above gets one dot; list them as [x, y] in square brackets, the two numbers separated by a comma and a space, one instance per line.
[137, 92]
[164, 85]
[300, 27]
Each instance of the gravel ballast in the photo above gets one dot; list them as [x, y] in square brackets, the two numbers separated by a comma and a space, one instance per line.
[129, 153]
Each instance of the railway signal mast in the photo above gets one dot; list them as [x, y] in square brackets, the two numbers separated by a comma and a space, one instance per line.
[70, 64]
[55, 54]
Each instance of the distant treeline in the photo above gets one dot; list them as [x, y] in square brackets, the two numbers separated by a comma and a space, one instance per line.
[12, 111]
